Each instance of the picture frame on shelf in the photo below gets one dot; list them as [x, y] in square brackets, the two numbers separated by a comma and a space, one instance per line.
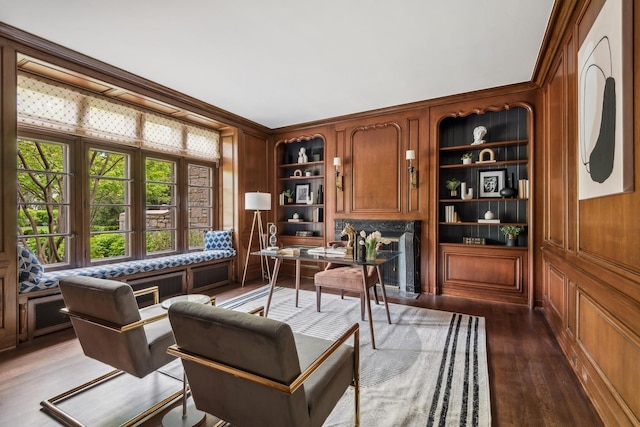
[490, 182]
[303, 192]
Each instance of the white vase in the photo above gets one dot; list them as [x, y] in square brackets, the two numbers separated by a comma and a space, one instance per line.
[466, 194]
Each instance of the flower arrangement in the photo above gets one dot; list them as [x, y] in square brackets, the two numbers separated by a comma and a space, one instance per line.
[371, 243]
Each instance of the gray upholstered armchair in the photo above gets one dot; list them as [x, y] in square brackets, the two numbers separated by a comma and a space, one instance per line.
[249, 370]
[112, 330]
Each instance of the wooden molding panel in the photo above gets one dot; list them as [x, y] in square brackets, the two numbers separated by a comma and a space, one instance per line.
[375, 168]
[601, 335]
[555, 290]
[555, 159]
[489, 273]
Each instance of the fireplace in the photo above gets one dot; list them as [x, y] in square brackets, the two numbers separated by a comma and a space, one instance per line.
[404, 271]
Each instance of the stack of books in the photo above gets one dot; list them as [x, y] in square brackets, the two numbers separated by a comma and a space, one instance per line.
[289, 251]
[317, 215]
[328, 251]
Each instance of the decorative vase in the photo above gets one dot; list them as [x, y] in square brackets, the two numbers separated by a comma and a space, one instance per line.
[512, 240]
[454, 193]
[320, 197]
[466, 161]
[508, 191]
[371, 253]
[465, 194]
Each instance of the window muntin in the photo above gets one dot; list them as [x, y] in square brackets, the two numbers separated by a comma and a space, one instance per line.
[109, 204]
[161, 207]
[199, 203]
[44, 199]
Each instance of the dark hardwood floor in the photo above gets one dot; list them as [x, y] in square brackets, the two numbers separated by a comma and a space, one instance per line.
[531, 382]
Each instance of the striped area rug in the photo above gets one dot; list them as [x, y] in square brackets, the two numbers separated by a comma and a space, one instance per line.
[430, 367]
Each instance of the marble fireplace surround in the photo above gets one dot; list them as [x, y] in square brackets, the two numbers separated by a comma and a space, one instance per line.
[404, 273]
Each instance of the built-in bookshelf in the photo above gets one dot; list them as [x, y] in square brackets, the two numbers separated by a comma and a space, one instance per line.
[300, 215]
[494, 191]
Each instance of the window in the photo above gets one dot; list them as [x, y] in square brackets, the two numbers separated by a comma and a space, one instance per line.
[117, 211]
[43, 199]
[161, 208]
[199, 203]
[109, 204]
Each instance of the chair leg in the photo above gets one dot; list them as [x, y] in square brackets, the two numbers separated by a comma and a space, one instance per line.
[375, 294]
[318, 294]
[362, 298]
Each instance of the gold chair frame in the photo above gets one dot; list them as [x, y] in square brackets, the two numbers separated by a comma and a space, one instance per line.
[298, 381]
[50, 405]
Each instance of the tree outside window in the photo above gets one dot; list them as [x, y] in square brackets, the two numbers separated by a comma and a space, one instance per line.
[43, 199]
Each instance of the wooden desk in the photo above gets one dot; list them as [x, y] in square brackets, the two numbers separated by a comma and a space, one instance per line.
[381, 258]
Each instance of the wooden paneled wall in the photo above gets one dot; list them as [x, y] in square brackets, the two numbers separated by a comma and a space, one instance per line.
[8, 252]
[374, 169]
[590, 253]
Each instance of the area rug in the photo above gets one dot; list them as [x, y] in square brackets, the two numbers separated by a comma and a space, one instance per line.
[429, 368]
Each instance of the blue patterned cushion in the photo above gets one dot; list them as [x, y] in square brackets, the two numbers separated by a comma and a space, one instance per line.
[219, 239]
[29, 268]
[126, 268]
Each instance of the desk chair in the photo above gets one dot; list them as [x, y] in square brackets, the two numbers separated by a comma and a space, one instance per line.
[358, 279]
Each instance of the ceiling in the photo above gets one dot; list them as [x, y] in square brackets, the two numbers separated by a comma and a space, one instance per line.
[287, 62]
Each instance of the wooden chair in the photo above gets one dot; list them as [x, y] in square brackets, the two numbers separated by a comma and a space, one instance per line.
[358, 279]
[112, 330]
[250, 370]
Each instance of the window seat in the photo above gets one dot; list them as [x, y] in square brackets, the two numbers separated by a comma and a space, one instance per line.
[127, 268]
[40, 300]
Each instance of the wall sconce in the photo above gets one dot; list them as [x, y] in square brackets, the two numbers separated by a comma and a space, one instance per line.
[337, 162]
[411, 155]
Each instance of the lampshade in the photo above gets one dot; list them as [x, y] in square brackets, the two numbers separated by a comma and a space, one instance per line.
[257, 201]
[411, 154]
[337, 161]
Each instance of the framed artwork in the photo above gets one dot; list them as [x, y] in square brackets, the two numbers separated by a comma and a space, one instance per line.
[303, 192]
[605, 104]
[490, 182]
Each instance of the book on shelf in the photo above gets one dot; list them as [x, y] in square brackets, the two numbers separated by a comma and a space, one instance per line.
[523, 188]
[295, 220]
[317, 215]
[489, 221]
[473, 240]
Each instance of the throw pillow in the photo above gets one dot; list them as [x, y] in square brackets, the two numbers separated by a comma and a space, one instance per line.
[29, 268]
[218, 239]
